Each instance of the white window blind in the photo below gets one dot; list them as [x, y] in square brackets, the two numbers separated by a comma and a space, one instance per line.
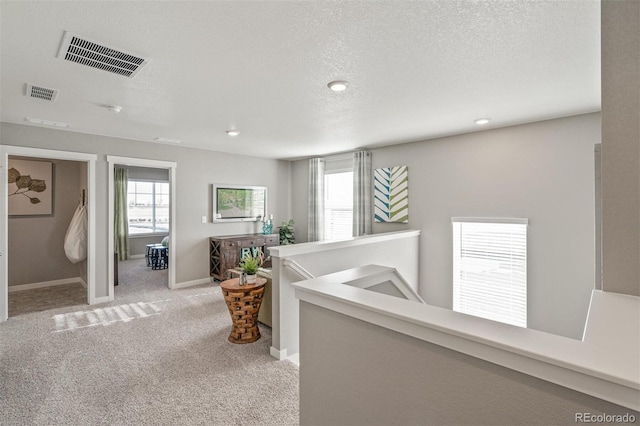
[490, 269]
[338, 205]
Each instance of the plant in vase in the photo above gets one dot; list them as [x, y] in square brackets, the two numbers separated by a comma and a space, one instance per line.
[250, 265]
[287, 235]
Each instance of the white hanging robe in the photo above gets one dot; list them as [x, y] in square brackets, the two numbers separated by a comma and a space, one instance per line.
[75, 241]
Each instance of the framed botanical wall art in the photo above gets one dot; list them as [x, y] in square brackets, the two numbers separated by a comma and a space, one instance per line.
[30, 188]
[391, 194]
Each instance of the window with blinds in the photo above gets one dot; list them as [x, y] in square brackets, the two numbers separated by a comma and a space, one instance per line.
[338, 205]
[490, 269]
[148, 207]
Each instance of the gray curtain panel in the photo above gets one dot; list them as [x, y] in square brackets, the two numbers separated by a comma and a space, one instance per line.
[315, 230]
[121, 220]
[362, 213]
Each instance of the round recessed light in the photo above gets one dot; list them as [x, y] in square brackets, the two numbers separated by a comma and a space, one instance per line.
[114, 108]
[233, 132]
[338, 85]
[481, 121]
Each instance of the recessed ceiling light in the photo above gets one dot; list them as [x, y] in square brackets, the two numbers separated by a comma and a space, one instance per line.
[167, 140]
[233, 132]
[481, 121]
[338, 85]
[114, 108]
[46, 122]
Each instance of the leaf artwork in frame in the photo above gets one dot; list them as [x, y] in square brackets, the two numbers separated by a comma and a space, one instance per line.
[30, 188]
[391, 194]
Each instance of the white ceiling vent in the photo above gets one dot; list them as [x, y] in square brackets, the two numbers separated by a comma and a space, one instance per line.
[80, 50]
[41, 92]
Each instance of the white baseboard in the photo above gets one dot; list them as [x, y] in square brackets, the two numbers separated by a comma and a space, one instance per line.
[281, 355]
[83, 282]
[278, 354]
[44, 284]
[136, 256]
[192, 283]
[295, 358]
[103, 299]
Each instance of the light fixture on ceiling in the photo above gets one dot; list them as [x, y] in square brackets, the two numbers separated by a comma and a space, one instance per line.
[46, 122]
[482, 121]
[233, 132]
[167, 140]
[114, 108]
[338, 85]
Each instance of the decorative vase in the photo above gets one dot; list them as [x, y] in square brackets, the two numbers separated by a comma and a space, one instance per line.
[251, 279]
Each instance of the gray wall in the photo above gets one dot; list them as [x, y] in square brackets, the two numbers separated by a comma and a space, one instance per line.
[541, 171]
[138, 245]
[356, 373]
[196, 171]
[36, 244]
[621, 146]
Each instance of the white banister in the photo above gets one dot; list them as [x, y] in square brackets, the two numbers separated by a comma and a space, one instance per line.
[297, 268]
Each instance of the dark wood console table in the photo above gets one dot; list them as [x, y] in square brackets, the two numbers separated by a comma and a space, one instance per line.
[224, 252]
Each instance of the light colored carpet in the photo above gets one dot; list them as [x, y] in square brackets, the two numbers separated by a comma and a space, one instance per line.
[152, 357]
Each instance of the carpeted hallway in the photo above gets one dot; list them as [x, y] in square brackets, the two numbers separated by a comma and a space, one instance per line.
[151, 357]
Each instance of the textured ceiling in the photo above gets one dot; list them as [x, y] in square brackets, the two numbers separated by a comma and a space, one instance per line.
[417, 69]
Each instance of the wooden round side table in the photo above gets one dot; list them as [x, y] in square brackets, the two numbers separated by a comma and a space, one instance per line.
[243, 302]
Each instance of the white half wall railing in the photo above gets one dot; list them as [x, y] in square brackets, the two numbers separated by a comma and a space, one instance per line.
[398, 250]
[384, 280]
[603, 365]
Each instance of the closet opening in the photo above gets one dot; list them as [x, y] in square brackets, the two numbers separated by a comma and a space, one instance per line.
[47, 230]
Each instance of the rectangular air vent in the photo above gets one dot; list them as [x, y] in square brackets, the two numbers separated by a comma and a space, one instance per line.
[41, 92]
[82, 51]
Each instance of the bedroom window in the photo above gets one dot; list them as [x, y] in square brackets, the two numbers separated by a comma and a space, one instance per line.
[148, 210]
[490, 269]
[338, 205]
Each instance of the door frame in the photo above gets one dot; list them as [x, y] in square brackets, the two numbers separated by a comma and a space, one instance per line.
[90, 159]
[142, 162]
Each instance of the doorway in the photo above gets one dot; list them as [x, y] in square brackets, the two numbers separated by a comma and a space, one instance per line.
[143, 163]
[36, 153]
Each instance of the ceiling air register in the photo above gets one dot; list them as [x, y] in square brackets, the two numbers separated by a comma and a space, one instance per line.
[86, 52]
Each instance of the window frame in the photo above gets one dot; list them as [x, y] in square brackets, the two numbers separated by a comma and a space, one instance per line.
[154, 232]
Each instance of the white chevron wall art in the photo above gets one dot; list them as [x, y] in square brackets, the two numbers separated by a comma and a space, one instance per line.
[391, 194]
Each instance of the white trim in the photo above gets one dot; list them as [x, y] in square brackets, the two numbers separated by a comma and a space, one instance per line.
[103, 299]
[604, 371]
[319, 246]
[185, 284]
[142, 162]
[83, 282]
[277, 354]
[523, 221]
[295, 358]
[44, 284]
[90, 159]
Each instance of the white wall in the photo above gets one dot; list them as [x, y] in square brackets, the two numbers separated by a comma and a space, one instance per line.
[395, 250]
[196, 171]
[541, 171]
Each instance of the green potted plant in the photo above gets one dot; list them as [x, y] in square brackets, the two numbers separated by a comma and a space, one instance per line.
[287, 234]
[250, 265]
